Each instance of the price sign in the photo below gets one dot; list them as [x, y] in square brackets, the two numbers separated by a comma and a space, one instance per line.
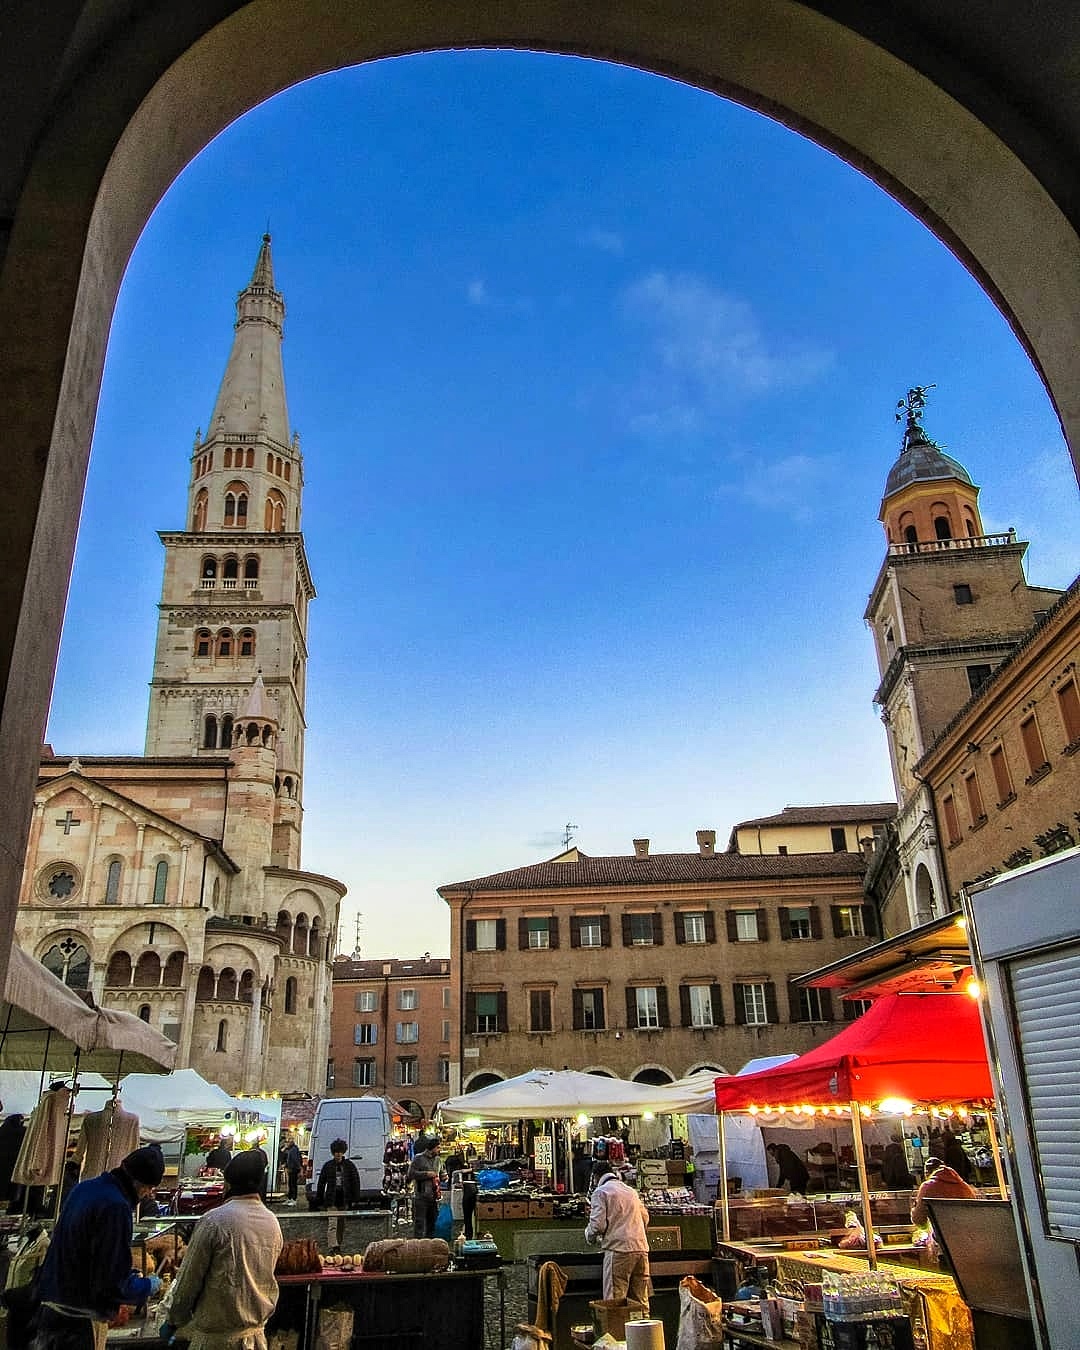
[542, 1153]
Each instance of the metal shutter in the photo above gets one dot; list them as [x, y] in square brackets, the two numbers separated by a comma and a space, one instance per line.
[1046, 996]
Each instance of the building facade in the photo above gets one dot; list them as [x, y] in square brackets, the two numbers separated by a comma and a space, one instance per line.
[814, 829]
[391, 1030]
[649, 966]
[170, 885]
[949, 605]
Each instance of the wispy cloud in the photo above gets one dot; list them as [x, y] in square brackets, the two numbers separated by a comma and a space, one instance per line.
[479, 294]
[789, 485]
[607, 241]
[706, 349]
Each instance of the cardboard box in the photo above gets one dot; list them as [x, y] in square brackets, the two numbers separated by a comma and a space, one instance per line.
[489, 1209]
[676, 1171]
[515, 1209]
[664, 1239]
[542, 1209]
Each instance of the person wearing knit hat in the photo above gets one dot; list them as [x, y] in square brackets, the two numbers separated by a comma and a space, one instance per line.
[225, 1289]
[87, 1272]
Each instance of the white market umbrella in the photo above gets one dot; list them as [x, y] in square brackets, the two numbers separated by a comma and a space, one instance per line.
[554, 1094]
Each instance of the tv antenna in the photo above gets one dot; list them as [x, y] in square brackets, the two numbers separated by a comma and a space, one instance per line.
[568, 834]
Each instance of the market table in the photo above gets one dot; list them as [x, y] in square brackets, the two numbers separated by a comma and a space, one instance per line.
[930, 1299]
[444, 1309]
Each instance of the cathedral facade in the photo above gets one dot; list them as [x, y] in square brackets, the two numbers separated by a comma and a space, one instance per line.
[169, 885]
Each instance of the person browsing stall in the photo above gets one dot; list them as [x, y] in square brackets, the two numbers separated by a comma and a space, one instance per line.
[424, 1174]
[617, 1222]
[225, 1290]
[942, 1182]
[338, 1187]
[790, 1168]
[87, 1272]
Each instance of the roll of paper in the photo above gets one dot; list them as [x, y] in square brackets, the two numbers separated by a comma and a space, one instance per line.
[647, 1335]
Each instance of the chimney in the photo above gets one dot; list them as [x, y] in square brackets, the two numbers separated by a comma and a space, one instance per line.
[706, 842]
[641, 848]
[868, 848]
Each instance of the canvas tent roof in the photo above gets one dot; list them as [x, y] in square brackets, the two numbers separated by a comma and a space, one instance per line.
[20, 1090]
[43, 1023]
[555, 1094]
[921, 1048]
[184, 1095]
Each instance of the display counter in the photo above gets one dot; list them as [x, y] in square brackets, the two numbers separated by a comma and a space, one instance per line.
[390, 1311]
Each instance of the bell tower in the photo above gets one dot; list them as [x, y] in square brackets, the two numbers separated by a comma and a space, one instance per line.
[236, 589]
[950, 603]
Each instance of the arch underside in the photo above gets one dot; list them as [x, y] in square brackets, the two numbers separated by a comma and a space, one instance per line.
[103, 113]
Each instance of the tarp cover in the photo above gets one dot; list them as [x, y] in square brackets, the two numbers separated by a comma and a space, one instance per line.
[187, 1096]
[921, 1048]
[42, 1022]
[20, 1091]
[555, 1094]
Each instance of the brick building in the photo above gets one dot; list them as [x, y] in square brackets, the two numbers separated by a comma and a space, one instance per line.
[649, 966]
[391, 1029]
[814, 829]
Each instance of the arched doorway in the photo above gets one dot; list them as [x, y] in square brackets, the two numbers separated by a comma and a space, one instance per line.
[93, 172]
[654, 1077]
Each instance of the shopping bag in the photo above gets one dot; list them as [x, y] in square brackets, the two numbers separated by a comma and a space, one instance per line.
[444, 1222]
[701, 1316]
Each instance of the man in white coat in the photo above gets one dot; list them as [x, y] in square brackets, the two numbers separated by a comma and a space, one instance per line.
[617, 1221]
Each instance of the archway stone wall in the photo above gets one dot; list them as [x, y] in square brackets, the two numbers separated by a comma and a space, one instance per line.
[104, 106]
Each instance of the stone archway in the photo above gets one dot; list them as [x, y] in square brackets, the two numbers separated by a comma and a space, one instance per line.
[101, 115]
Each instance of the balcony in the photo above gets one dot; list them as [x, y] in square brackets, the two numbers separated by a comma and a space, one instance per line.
[962, 545]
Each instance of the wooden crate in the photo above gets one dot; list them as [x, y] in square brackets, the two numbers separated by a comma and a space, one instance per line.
[515, 1209]
[489, 1209]
[542, 1209]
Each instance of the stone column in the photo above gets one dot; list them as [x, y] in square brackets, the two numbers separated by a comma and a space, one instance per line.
[26, 889]
[136, 866]
[91, 853]
[250, 1072]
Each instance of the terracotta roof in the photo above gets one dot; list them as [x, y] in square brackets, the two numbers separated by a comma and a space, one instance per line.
[856, 813]
[400, 968]
[663, 868]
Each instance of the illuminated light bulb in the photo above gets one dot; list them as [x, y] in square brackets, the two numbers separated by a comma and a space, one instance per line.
[583, 1119]
[810, 1110]
[895, 1106]
[974, 989]
[796, 1110]
[473, 1122]
[753, 1110]
[865, 1111]
[961, 922]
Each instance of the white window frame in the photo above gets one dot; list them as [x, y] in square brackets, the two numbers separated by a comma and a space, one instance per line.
[694, 928]
[367, 1000]
[746, 926]
[539, 938]
[445, 1029]
[407, 1033]
[803, 911]
[755, 1008]
[444, 1070]
[446, 996]
[487, 935]
[408, 1000]
[590, 932]
[406, 1073]
[851, 921]
[701, 1008]
[648, 1008]
[588, 1009]
[810, 1006]
[359, 1079]
[487, 1023]
[366, 1033]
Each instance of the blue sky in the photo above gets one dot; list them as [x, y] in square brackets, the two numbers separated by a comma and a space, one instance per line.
[595, 377]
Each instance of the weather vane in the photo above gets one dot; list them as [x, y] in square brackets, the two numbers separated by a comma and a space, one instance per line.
[910, 411]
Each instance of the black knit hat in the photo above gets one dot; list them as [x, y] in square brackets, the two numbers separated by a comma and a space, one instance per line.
[244, 1174]
[145, 1165]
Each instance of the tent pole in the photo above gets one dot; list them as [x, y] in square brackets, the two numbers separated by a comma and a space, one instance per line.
[995, 1149]
[860, 1159]
[725, 1205]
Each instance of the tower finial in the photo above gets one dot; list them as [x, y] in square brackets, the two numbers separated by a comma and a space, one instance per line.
[910, 411]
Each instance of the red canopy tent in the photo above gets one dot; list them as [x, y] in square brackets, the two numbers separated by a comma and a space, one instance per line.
[918, 1048]
[922, 1048]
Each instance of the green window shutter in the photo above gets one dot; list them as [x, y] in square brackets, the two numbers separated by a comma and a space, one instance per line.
[684, 1004]
[470, 935]
[658, 929]
[785, 923]
[553, 932]
[523, 935]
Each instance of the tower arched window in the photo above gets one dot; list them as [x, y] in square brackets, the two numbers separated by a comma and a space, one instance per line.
[222, 1037]
[288, 472]
[224, 642]
[69, 961]
[247, 987]
[227, 983]
[204, 643]
[226, 731]
[209, 569]
[247, 642]
[249, 459]
[112, 882]
[198, 514]
[269, 463]
[147, 971]
[204, 988]
[290, 994]
[161, 881]
[174, 970]
[144, 1013]
[274, 518]
[228, 457]
[241, 510]
[118, 974]
[230, 570]
[210, 731]
[942, 527]
[911, 534]
[251, 569]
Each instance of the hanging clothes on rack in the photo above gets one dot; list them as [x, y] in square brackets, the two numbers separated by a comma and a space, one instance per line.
[41, 1156]
[105, 1137]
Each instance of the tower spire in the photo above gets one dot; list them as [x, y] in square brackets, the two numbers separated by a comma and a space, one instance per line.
[251, 399]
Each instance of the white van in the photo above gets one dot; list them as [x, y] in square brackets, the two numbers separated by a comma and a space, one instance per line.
[364, 1124]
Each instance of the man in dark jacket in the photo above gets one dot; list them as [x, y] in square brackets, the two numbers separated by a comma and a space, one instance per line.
[338, 1188]
[87, 1271]
[424, 1175]
[790, 1167]
[292, 1161]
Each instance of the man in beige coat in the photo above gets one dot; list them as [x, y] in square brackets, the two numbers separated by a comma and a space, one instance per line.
[226, 1291]
[617, 1221]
